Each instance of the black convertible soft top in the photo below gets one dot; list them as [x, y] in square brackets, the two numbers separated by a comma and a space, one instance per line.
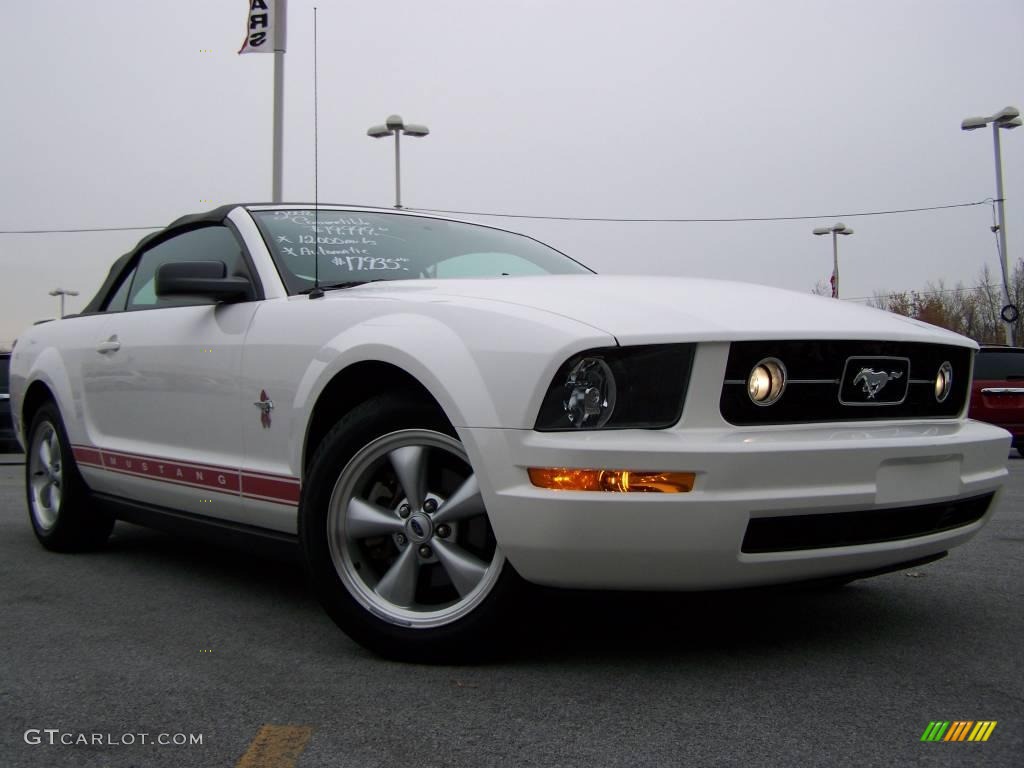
[215, 216]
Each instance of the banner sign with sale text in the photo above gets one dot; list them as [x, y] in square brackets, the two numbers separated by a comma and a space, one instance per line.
[259, 32]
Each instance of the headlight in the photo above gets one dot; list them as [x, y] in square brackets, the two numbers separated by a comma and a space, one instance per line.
[618, 388]
[590, 393]
[767, 381]
[943, 382]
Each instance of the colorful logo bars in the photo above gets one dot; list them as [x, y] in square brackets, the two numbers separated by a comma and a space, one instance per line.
[958, 730]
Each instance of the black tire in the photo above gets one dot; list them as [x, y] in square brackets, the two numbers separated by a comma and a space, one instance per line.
[64, 516]
[350, 567]
[1020, 450]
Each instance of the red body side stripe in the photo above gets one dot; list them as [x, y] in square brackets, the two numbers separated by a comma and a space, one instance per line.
[205, 477]
[257, 485]
[85, 455]
[274, 489]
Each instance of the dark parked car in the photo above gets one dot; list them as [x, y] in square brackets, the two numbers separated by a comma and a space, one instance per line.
[997, 395]
[8, 444]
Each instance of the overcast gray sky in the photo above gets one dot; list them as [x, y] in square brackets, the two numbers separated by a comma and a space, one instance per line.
[116, 116]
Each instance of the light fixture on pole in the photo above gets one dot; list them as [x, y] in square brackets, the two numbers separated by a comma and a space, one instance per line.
[835, 230]
[1008, 117]
[394, 125]
[61, 293]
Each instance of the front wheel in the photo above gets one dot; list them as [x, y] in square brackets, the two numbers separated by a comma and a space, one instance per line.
[397, 539]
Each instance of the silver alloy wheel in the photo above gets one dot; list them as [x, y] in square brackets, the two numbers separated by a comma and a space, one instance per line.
[408, 532]
[46, 476]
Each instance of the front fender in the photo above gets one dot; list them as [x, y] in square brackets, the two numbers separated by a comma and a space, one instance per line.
[486, 365]
[425, 348]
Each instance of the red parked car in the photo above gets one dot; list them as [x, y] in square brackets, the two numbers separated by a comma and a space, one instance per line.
[997, 394]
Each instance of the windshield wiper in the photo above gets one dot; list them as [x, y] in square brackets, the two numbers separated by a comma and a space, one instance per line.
[345, 284]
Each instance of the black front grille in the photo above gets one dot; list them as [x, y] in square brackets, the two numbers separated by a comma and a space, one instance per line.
[820, 376]
[844, 529]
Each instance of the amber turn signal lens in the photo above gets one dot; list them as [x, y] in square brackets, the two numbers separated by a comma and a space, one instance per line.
[615, 480]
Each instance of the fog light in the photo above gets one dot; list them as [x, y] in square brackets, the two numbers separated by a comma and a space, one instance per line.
[614, 480]
[943, 382]
[767, 381]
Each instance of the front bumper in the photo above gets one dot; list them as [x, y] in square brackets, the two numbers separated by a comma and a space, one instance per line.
[694, 540]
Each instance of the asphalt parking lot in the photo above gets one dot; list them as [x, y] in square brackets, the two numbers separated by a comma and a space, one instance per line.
[178, 640]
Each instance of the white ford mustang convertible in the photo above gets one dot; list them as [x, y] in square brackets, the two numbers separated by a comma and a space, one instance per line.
[437, 412]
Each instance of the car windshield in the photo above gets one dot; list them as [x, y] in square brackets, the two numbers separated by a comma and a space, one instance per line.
[357, 247]
[1000, 365]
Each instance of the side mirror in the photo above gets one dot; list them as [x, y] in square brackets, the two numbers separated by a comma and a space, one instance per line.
[202, 278]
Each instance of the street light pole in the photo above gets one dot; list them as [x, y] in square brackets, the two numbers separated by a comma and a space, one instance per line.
[394, 125]
[60, 293]
[1008, 117]
[398, 170]
[1001, 222]
[280, 38]
[835, 260]
[835, 230]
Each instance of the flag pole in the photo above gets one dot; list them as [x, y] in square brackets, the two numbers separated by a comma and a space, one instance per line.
[280, 42]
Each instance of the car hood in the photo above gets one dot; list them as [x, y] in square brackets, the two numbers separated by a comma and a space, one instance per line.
[653, 309]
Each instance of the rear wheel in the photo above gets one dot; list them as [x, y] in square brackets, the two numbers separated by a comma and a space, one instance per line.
[397, 539]
[64, 517]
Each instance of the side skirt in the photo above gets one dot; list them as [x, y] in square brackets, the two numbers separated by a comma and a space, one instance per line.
[248, 538]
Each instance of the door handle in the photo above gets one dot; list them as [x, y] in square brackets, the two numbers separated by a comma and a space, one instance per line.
[110, 345]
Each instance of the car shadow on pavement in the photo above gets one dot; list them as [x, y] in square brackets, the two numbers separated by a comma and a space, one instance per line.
[589, 626]
[568, 625]
[216, 561]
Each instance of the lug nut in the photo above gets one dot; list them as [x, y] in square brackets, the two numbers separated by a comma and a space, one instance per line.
[426, 552]
[444, 531]
[403, 511]
[430, 506]
[400, 539]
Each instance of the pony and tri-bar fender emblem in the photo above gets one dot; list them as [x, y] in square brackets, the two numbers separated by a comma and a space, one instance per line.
[266, 405]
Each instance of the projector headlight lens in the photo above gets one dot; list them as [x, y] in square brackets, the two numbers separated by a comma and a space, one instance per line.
[589, 393]
[943, 382]
[767, 381]
[632, 387]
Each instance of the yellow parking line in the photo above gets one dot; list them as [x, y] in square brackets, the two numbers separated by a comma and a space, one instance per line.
[276, 746]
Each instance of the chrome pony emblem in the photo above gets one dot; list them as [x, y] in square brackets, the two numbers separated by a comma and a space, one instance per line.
[873, 381]
[266, 405]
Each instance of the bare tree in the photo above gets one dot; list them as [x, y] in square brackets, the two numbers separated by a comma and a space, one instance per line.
[973, 312]
[822, 288]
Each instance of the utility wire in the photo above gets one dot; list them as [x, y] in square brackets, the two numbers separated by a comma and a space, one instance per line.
[913, 292]
[84, 229]
[987, 201]
[623, 220]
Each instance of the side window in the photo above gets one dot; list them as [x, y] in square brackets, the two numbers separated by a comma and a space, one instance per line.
[119, 300]
[207, 244]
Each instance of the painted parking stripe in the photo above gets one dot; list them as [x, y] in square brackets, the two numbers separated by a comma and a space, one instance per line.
[276, 746]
